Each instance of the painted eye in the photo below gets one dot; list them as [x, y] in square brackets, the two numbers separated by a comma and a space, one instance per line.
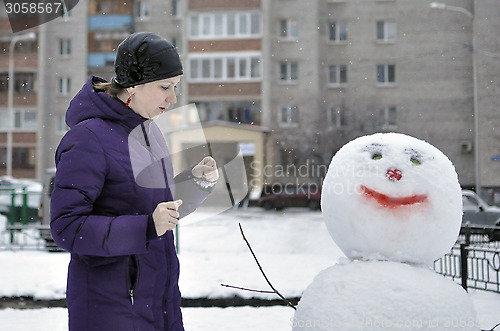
[415, 161]
[376, 156]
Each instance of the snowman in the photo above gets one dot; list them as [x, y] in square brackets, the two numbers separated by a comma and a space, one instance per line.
[392, 203]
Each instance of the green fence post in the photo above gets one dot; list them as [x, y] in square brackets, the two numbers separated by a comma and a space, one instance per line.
[24, 207]
[12, 213]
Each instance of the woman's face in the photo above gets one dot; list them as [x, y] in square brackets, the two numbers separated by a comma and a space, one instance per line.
[152, 99]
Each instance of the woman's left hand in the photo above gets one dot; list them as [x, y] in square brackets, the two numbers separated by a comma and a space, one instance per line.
[206, 169]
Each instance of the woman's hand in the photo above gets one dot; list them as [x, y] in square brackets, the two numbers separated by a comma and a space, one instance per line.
[166, 216]
[206, 169]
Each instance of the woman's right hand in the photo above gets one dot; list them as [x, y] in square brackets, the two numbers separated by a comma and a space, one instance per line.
[166, 216]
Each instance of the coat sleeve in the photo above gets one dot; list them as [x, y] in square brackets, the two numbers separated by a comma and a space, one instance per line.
[81, 172]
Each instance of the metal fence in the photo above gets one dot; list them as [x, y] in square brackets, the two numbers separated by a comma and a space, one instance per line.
[19, 204]
[21, 237]
[475, 255]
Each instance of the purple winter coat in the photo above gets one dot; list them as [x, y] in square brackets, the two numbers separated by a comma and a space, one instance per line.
[122, 276]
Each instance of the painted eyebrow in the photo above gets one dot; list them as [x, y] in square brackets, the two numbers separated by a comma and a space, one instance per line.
[373, 147]
[412, 152]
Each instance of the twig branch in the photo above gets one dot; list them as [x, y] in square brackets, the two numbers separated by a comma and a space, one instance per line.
[262, 271]
[247, 289]
[493, 329]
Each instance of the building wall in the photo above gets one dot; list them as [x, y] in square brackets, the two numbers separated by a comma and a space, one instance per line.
[487, 27]
[299, 142]
[24, 100]
[433, 93]
[53, 67]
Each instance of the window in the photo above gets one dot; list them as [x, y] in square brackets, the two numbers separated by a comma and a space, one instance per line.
[4, 82]
[206, 25]
[3, 157]
[231, 24]
[386, 74]
[102, 7]
[194, 26]
[336, 117]
[337, 32]
[337, 75]
[24, 157]
[24, 82]
[255, 23]
[223, 25]
[218, 25]
[64, 46]
[106, 41]
[62, 127]
[231, 111]
[387, 117]
[255, 67]
[64, 85]
[177, 8]
[288, 157]
[177, 43]
[243, 26]
[289, 72]
[386, 31]
[26, 46]
[289, 29]
[142, 10]
[66, 15]
[25, 119]
[5, 119]
[225, 67]
[289, 116]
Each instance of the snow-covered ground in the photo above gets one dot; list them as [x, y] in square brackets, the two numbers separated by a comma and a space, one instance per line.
[292, 247]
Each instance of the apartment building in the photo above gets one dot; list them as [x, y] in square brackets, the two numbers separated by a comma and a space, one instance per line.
[18, 101]
[288, 82]
[350, 68]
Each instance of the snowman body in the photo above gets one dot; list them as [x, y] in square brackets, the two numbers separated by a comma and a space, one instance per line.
[383, 295]
[393, 205]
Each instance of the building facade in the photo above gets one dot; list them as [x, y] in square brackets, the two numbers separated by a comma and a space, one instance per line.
[299, 78]
[18, 101]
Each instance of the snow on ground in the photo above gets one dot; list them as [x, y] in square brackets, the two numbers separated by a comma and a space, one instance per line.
[216, 319]
[292, 247]
[195, 319]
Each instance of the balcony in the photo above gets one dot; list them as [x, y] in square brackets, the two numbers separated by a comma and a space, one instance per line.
[19, 99]
[241, 112]
[100, 59]
[21, 60]
[111, 22]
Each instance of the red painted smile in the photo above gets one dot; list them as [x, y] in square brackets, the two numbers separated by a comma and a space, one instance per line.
[392, 202]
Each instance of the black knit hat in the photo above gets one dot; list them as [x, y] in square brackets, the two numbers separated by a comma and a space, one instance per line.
[144, 57]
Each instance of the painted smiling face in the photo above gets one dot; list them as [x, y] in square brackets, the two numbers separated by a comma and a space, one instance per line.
[390, 196]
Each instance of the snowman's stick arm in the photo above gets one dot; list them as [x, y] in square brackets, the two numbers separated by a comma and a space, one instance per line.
[247, 289]
[493, 328]
[262, 271]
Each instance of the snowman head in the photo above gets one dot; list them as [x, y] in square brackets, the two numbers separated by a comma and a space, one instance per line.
[390, 196]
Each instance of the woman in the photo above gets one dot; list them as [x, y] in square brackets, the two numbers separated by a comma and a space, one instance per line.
[124, 270]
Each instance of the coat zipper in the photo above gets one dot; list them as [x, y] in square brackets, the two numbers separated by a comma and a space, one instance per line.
[134, 281]
[131, 293]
